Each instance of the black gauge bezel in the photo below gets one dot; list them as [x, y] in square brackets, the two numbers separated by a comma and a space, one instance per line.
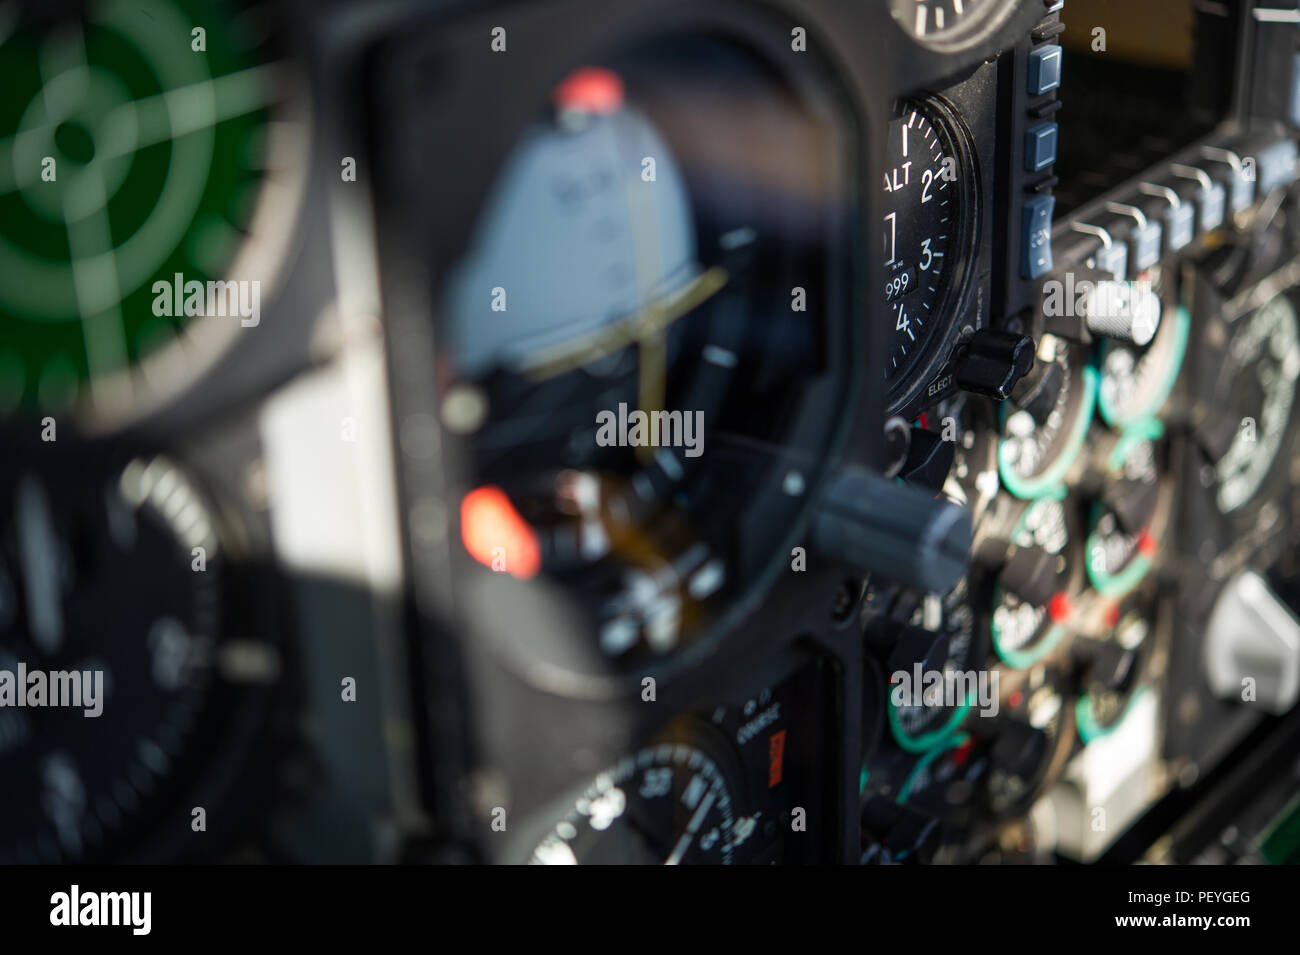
[968, 31]
[824, 411]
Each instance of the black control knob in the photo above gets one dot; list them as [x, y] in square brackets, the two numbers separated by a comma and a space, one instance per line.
[901, 834]
[1132, 502]
[1036, 393]
[994, 361]
[1108, 665]
[916, 645]
[1030, 574]
[900, 532]
[1019, 749]
[1215, 432]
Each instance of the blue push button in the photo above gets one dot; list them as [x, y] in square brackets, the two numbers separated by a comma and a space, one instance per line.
[1180, 226]
[1040, 146]
[1146, 246]
[1044, 69]
[1036, 236]
[1276, 166]
[1112, 258]
[1214, 201]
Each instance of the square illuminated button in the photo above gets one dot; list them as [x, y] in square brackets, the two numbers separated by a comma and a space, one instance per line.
[1036, 236]
[1113, 259]
[1180, 226]
[1040, 146]
[1213, 202]
[1146, 246]
[1044, 69]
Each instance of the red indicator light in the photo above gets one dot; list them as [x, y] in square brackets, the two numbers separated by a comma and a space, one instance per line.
[590, 90]
[496, 536]
[1146, 544]
[775, 758]
[1112, 615]
[962, 752]
[1059, 607]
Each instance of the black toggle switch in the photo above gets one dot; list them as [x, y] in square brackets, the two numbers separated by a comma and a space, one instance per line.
[1030, 574]
[1132, 502]
[929, 459]
[906, 834]
[1019, 749]
[1108, 666]
[1215, 433]
[994, 361]
[913, 645]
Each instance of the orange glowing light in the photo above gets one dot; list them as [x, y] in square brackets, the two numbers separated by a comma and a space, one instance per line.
[496, 536]
[590, 90]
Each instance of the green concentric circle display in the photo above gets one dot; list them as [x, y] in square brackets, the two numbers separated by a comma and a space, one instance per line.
[132, 148]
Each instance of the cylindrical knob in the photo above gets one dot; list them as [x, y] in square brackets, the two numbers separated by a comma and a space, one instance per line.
[1129, 311]
[900, 532]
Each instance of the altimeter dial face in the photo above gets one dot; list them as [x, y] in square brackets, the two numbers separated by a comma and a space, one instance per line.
[924, 228]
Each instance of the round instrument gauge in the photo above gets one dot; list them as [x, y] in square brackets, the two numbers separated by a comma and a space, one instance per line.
[1136, 382]
[1032, 606]
[112, 619]
[668, 804]
[930, 191]
[1257, 386]
[152, 162]
[638, 352]
[949, 25]
[1045, 422]
[1114, 672]
[935, 770]
[910, 801]
[1121, 546]
[972, 481]
[928, 713]
[1032, 745]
